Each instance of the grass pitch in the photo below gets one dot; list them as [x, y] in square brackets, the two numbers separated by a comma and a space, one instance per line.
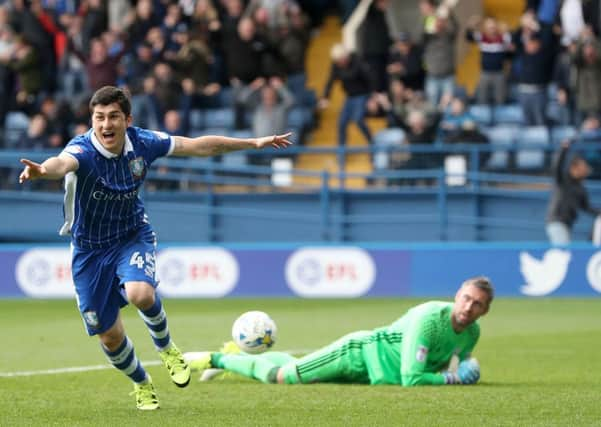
[540, 359]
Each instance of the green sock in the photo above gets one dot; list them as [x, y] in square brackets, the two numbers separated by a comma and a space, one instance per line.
[261, 367]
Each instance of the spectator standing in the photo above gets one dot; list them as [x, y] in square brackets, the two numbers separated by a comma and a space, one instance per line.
[533, 51]
[374, 42]
[438, 40]
[568, 195]
[586, 60]
[405, 62]
[494, 42]
[269, 102]
[357, 83]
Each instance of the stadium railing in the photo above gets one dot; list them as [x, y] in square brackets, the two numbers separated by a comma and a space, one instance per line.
[212, 177]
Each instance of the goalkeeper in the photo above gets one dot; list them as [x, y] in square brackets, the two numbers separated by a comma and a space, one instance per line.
[414, 350]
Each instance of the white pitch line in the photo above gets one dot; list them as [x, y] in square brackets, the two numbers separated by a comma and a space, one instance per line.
[73, 369]
[68, 370]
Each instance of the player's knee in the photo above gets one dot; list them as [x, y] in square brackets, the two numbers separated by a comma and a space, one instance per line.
[140, 294]
[112, 339]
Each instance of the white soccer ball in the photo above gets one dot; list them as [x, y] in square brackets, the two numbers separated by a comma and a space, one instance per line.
[254, 332]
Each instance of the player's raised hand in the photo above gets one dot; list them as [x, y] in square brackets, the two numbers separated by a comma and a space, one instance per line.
[275, 141]
[469, 371]
[31, 171]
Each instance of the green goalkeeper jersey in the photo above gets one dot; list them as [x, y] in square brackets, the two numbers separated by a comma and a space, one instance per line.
[415, 348]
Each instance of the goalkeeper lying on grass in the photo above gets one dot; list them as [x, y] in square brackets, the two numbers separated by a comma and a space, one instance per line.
[414, 350]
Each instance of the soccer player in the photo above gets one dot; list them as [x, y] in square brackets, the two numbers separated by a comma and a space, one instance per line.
[414, 350]
[113, 244]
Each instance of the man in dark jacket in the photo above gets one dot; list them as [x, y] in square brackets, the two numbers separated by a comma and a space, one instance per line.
[569, 195]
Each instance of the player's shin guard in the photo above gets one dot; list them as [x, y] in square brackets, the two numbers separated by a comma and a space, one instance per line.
[156, 322]
[124, 359]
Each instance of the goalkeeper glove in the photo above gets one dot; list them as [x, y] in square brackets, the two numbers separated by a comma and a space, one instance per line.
[469, 371]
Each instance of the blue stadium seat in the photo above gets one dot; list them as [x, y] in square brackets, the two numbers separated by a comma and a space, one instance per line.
[557, 114]
[513, 94]
[503, 137]
[16, 124]
[298, 117]
[242, 133]
[308, 98]
[508, 114]
[217, 131]
[225, 97]
[219, 118]
[197, 119]
[561, 133]
[390, 137]
[482, 114]
[527, 158]
[235, 159]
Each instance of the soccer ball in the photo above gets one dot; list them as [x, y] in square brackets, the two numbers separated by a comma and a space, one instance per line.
[254, 332]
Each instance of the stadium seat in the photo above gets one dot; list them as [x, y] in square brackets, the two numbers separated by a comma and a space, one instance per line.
[482, 114]
[561, 133]
[527, 158]
[390, 137]
[557, 114]
[225, 97]
[308, 98]
[219, 117]
[16, 124]
[197, 119]
[513, 94]
[508, 114]
[242, 133]
[234, 159]
[216, 131]
[298, 117]
[501, 137]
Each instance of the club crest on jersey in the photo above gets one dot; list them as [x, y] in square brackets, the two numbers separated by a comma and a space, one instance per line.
[91, 319]
[422, 353]
[136, 166]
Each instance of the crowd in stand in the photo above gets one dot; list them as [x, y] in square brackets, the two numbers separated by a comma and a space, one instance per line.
[189, 65]
[541, 82]
[227, 66]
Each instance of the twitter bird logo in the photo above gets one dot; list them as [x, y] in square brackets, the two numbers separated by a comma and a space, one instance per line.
[544, 276]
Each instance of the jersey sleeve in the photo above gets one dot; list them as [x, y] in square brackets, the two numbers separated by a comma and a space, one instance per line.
[80, 151]
[158, 144]
[418, 339]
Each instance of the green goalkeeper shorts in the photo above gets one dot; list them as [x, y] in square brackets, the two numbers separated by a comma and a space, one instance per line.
[340, 362]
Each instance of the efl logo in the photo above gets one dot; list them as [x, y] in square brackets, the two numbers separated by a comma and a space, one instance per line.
[330, 272]
[45, 273]
[193, 272]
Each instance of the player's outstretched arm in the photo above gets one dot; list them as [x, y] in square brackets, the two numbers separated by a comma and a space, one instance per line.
[212, 145]
[51, 168]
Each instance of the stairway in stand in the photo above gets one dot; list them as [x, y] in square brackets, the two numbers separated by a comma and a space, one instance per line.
[318, 69]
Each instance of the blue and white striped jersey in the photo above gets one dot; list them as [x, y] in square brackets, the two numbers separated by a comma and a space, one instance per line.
[102, 206]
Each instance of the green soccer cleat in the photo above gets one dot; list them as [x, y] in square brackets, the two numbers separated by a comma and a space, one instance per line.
[173, 359]
[146, 396]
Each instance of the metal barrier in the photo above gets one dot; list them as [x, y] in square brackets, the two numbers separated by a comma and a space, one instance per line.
[333, 217]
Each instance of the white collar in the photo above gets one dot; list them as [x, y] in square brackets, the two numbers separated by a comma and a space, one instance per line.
[127, 147]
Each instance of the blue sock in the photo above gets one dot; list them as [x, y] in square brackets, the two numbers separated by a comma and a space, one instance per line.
[156, 321]
[124, 359]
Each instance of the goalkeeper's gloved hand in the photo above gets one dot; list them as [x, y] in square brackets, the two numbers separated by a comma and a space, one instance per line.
[469, 371]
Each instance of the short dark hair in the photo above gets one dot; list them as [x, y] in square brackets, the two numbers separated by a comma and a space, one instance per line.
[109, 94]
[483, 283]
